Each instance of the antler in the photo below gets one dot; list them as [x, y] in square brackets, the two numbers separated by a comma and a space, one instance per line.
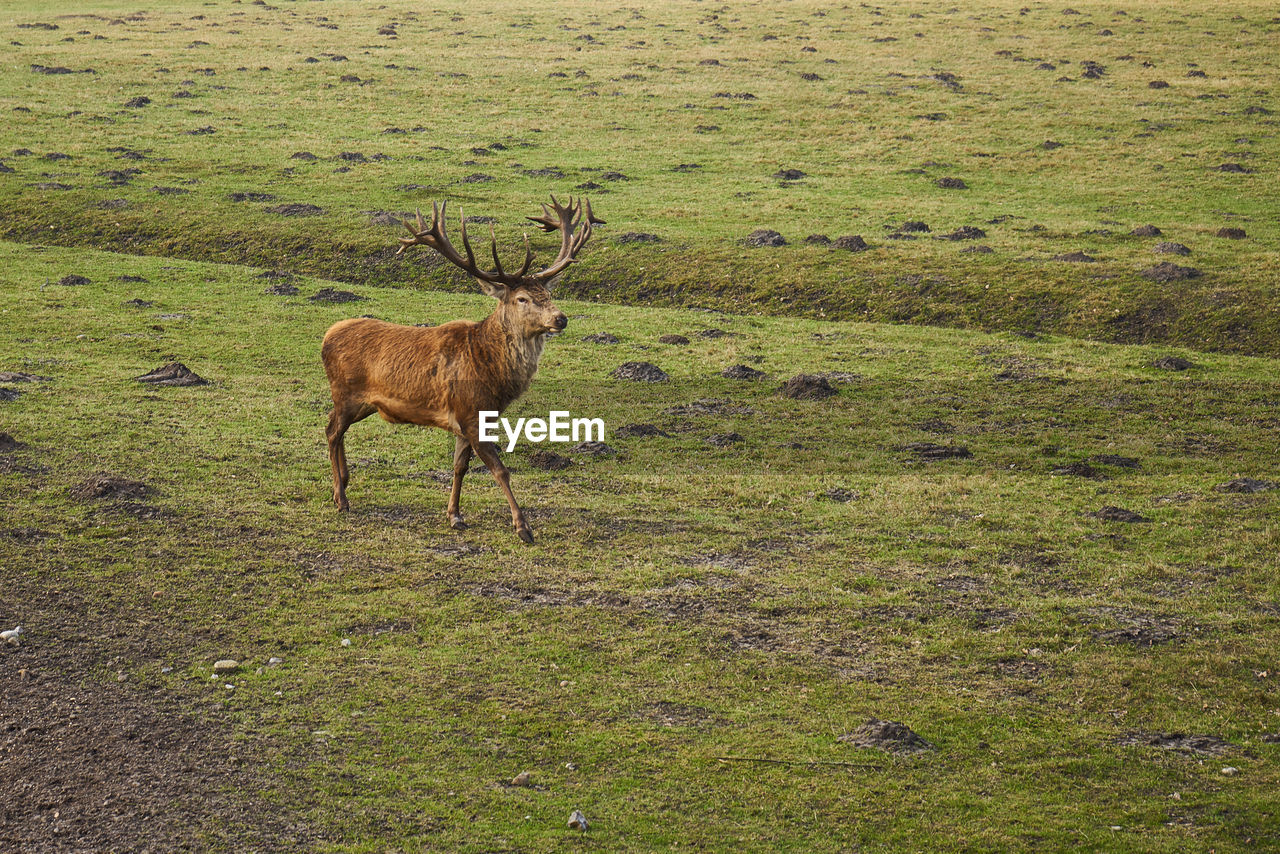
[573, 221]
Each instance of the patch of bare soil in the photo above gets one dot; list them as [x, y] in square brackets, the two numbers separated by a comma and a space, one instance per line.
[282, 289]
[1246, 486]
[334, 295]
[951, 184]
[964, 232]
[1146, 231]
[601, 338]
[110, 486]
[928, 451]
[1203, 745]
[665, 713]
[640, 372]
[96, 765]
[889, 736]
[296, 210]
[639, 431]
[1232, 233]
[673, 339]
[724, 440]
[1139, 629]
[172, 374]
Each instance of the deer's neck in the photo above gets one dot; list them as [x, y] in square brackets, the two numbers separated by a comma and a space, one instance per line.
[516, 356]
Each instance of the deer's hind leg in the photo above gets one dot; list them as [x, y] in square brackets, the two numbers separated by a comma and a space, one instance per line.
[340, 419]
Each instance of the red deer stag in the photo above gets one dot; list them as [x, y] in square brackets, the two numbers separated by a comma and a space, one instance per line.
[443, 376]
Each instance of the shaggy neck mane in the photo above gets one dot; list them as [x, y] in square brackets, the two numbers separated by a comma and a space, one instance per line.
[522, 355]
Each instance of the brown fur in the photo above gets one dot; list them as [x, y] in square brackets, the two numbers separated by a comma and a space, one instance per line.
[440, 376]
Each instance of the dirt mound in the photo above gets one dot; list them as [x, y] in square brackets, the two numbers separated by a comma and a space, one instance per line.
[929, 451]
[818, 240]
[643, 372]
[1246, 486]
[1146, 231]
[724, 440]
[637, 237]
[334, 295]
[103, 485]
[1111, 513]
[639, 431]
[1167, 248]
[549, 461]
[1158, 84]
[282, 289]
[742, 372]
[851, 243]
[1203, 745]
[807, 387]
[21, 377]
[296, 210]
[1079, 469]
[1234, 168]
[593, 449]
[914, 226]
[964, 232]
[172, 374]
[1173, 363]
[1075, 257]
[251, 197]
[74, 279]
[765, 237]
[8, 443]
[789, 175]
[1116, 460]
[951, 184]
[889, 736]
[601, 338]
[673, 339]
[1232, 233]
[1167, 271]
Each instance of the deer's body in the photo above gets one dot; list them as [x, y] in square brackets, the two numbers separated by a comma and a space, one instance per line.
[444, 376]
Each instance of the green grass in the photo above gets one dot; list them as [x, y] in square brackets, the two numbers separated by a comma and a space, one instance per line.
[590, 89]
[683, 603]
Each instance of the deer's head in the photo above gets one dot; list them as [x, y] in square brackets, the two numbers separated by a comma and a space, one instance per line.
[524, 298]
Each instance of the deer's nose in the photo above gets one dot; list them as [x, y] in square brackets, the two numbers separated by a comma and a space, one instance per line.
[561, 321]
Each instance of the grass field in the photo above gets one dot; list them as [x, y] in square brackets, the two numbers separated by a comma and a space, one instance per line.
[680, 119]
[1051, 557]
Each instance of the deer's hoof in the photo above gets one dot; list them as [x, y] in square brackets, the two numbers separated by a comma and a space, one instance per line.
[457, 524]
[526, 535]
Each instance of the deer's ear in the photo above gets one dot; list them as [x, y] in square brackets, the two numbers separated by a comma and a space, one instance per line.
[497, 290]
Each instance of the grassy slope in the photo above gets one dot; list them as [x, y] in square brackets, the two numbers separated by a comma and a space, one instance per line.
[636, 98]
[683, 603]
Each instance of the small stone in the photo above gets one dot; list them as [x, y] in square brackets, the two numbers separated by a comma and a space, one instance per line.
[577, 820]
[1230, 770]
[273, 661]
[346, 641]
[524, 778]
[225, 665]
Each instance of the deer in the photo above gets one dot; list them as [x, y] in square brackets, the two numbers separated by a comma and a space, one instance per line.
[444, 376]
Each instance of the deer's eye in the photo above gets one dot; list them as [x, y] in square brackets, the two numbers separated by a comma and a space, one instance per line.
[523, 300]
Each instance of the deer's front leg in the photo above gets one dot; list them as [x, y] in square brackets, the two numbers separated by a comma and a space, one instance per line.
[488, 452]
[461, 459]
